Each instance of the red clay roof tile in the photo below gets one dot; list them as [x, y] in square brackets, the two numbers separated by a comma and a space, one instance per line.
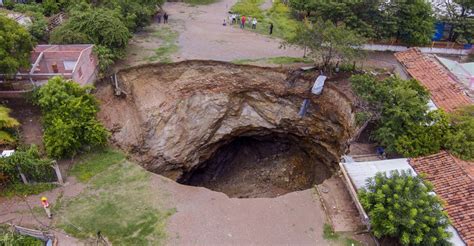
[453, 181]
[444, 90]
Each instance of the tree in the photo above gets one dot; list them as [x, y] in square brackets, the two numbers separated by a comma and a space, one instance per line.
[415, 21]
[459, 14]
[15, 46]
[460, 140]
[7, 123]
[401, 205]
[69, 115]
[404, 124]
[99, 26]
[327, 42]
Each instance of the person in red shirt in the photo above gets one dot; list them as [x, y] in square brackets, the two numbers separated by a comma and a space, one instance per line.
[242, 22]
[45, 203]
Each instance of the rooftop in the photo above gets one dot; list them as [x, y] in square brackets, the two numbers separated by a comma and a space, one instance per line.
[445, 92]
[453, 181]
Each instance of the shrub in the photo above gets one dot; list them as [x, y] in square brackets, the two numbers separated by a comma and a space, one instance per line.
[7, 124]
[400, 205]
[30, 162]
[15, 46]
[460, 140]
[400, 109]
[69, 115]
[99, 26]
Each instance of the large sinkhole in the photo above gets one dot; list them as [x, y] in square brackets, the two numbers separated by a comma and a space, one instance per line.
[231, 128]
[260, 166]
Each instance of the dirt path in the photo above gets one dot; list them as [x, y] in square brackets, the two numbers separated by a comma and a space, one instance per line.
[204, 37]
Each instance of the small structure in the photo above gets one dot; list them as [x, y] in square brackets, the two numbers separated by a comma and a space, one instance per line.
[76, 62]
[446, 92]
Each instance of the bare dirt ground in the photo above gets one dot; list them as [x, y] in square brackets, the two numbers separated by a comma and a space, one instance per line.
[29, 117]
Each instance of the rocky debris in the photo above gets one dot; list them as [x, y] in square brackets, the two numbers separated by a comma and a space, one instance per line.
[177, 116]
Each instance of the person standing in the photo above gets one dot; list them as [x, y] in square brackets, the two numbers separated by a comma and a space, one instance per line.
[165, 18]
[242, 25]
[254, 23]
[158, 17]
[271, 28]
[45, 203]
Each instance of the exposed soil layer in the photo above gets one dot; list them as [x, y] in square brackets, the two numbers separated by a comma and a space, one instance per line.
[213, 123]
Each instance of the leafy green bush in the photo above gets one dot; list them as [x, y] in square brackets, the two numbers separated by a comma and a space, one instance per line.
[20, 189]
[99, 26]
[7, 125]
[8, 238]
[400, 109]
[30, 162]
[69, 115]
[460, 140]
[400, 205]
[15, 46]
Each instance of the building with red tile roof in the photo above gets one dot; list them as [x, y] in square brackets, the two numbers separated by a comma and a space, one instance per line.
[453, 181]
[445, 92]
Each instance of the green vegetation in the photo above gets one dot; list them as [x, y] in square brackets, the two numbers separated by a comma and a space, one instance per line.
[167, 47]
[118, 202]
[339, 238]
[69, 116]
[29, 161]
[96, 162]
[458, 14]
[404, 125]
[411, 22]
[7, 126]
[327, 42]
[460, 140]
[8, 238]
[20, 189]
[15, 46]
[200, 2]
[400, 205]
[279, 14]
[279, 60]
[399, 108]
[99, 26]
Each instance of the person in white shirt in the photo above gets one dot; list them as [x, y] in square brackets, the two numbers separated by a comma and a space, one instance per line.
[254, 23]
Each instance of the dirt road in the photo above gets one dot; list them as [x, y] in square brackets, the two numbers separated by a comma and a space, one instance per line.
[204, 37]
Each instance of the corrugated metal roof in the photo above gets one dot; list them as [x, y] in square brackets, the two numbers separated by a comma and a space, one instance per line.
[359, 172]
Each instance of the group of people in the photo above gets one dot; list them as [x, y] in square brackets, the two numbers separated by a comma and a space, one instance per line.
[159, 15]
[236, 19]
[242, 20]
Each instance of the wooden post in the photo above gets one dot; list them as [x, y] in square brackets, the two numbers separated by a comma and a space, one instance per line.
[23, 177]
[58, 172]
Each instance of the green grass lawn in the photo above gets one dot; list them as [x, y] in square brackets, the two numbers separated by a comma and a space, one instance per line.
[21, 189]
[200, 2]
[118, 201]
[95, 162]
[279, 14]
[168, 46]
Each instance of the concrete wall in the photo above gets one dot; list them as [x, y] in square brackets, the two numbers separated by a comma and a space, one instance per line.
[398, 48]
[86, 69]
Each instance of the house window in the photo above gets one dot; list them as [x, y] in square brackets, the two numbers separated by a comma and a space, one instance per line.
[69, 65]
